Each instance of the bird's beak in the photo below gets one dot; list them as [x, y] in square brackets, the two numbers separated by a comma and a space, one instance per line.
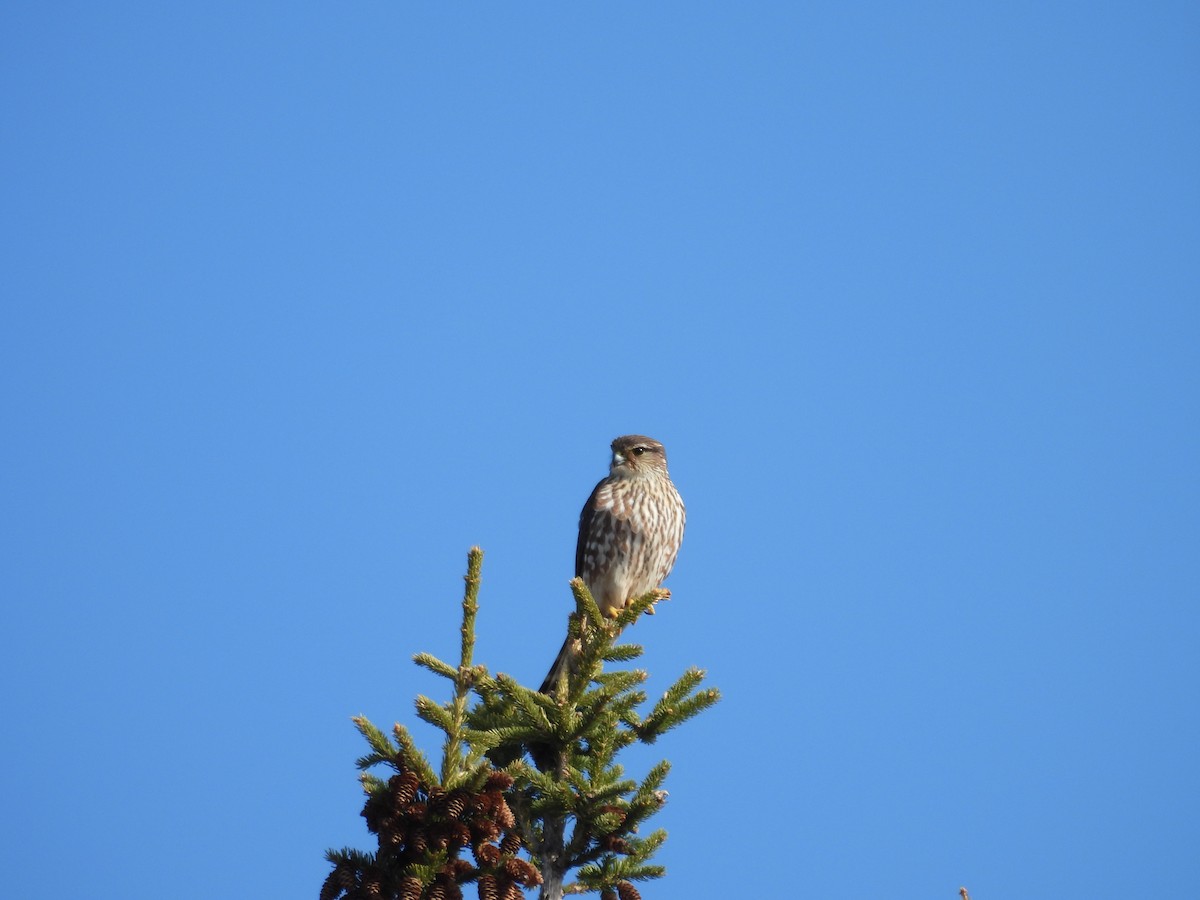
[618, 459]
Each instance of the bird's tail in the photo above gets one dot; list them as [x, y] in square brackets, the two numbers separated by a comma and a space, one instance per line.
[543, 756]
[562, 664]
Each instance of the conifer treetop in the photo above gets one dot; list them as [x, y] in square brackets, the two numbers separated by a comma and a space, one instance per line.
[528, 784]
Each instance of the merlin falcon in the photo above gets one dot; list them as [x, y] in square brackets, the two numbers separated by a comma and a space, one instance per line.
[630, 530]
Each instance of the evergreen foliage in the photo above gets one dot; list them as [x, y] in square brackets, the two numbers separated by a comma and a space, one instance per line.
[571, 810]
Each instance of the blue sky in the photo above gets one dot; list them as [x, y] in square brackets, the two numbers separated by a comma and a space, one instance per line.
[303, 300]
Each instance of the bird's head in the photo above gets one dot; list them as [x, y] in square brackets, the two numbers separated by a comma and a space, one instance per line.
[637, 456]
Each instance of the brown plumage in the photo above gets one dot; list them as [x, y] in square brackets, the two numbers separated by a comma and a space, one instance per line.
[630, 530]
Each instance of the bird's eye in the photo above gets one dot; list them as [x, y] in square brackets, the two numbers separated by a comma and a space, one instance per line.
[638, 451]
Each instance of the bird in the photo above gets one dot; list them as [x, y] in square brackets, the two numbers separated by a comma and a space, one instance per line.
[630, 530]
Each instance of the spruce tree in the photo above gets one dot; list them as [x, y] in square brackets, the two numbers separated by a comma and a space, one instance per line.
[529, 784]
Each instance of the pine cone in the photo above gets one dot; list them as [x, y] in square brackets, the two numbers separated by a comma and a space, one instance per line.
[460, 835]
[487, 854]
[332, 888]
[483, 830]
[456, 806]
[458, 870]
[498, 781]
[503, 815]
[404, 788]
[487, 888]
[522, 871]
[614, 844]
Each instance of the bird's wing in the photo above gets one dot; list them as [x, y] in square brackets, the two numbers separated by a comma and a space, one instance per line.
[598, 505]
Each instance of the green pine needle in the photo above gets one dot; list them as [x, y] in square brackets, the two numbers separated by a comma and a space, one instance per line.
[377, 739]
[435, 665]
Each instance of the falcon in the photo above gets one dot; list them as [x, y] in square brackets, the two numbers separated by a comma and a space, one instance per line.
[630, 530]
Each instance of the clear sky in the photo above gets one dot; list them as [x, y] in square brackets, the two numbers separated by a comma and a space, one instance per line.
[302, 300]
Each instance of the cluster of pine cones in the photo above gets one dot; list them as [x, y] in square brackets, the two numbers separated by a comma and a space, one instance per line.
[422, 825]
